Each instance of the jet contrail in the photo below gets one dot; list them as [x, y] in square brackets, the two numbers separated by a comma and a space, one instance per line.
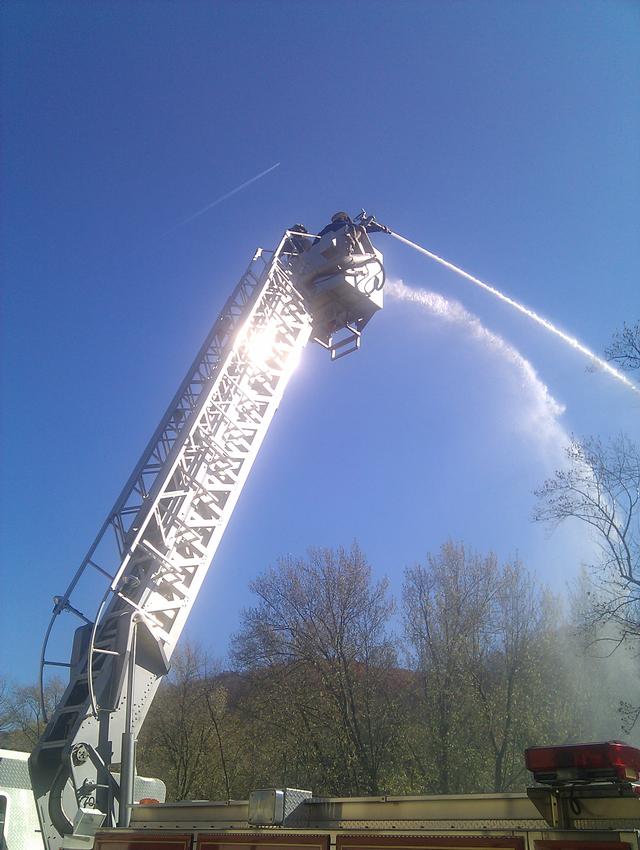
[570, 340]
[224, 197]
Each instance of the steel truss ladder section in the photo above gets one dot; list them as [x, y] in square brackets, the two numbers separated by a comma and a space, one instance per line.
[167, 524]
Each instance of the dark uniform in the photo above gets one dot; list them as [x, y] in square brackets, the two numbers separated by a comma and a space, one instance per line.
[296, 244]
[338, 221]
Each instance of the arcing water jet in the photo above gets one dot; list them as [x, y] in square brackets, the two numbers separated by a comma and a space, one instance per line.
[543, 410]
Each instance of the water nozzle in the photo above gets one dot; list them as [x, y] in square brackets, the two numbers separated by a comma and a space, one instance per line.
[370, 224]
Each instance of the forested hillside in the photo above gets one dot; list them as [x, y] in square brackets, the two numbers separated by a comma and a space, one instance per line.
[332, 685]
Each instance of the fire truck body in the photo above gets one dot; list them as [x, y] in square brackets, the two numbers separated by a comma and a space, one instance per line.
[586, 819]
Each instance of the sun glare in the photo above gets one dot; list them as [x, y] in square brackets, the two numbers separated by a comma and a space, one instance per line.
[261, 344]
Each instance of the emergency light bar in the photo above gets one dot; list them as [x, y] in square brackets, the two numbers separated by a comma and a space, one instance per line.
[607, 761]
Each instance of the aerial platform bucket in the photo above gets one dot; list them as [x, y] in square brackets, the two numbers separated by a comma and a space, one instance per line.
[342, 278]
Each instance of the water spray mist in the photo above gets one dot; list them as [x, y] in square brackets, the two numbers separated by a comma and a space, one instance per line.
[542, 411]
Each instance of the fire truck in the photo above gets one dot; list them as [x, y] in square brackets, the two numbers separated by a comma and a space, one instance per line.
[143, 572]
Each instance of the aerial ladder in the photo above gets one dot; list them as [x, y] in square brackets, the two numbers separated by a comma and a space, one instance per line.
[153, 551]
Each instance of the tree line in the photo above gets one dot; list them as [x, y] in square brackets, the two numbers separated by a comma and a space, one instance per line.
[333, 686]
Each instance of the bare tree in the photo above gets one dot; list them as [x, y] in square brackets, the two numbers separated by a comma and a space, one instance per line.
[176, 741]
[23, 717]
[625, 348]
[446, 603]
[320, 629]
[6, 709]
[216, 698]
[481, 637]
[510, 671]
[601, 488]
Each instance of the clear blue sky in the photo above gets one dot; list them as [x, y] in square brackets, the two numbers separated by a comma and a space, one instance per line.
[501, 135]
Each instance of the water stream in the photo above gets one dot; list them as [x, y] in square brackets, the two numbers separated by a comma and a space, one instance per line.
[531, 314]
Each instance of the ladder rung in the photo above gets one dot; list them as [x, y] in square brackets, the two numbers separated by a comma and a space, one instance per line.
[52, 745]
[70, 709]
[62, 604]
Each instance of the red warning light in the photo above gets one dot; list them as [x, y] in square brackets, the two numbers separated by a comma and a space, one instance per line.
[606, 761]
